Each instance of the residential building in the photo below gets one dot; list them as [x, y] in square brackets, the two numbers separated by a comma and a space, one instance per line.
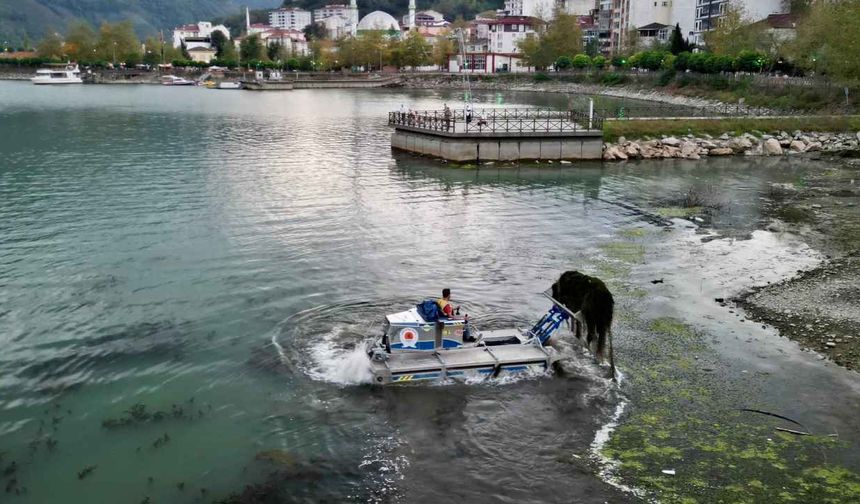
[429, 18]
[293, 41]
[257, 28]
[494, 47]
[290, 18]
[197, 31]
[202, 54]
[578, 7]
[654, 33]
[709, 12]
[644, 14]
[543, 9]
[332, 10]
[779, 28]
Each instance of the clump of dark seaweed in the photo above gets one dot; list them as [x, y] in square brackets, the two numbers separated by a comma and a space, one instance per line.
[139, 414]
[86, 471]
[161, 441]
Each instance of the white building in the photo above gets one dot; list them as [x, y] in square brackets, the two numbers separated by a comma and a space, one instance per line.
[197, 32]
[332, 10]
[428, 18]
[293, 41]
[290, 18]
[499, 51]
[543, 9]
[645, 15]
[708, 13]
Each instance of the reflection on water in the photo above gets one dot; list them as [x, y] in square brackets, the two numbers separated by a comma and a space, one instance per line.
[154, 242]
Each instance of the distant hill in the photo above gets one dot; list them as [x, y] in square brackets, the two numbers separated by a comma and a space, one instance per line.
[31, 19]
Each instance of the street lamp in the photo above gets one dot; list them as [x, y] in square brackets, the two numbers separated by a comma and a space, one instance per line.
[114, 54]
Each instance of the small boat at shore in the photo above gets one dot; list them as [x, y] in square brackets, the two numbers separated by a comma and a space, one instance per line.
[228, 85]
[172, 80]
[66, 73]
[416, 345]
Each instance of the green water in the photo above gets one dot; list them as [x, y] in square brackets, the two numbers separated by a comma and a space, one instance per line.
[155, 242]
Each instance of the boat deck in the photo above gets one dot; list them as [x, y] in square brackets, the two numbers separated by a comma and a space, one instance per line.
[485, 360]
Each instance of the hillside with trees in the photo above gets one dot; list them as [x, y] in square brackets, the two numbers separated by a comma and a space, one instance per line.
[22, 21]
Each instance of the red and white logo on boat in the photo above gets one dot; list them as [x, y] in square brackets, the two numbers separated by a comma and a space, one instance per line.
[409, 337]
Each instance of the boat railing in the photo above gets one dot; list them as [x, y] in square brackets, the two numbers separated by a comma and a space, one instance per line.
[497, 120]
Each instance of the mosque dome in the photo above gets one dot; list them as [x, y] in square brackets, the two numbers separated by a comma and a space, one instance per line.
[378, 20]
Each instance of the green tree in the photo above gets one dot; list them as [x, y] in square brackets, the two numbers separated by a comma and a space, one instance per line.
[81, 41]
[598, 62]
[828, 40]
[315, 31]
[563, 36]
[677, 43]
[118, 42]
[563, 63]
[416, 50]
[443, 50]
[252, 49]
[733, 33]
[581, 61]
[276, 52]
[219, 43]
[51, 46]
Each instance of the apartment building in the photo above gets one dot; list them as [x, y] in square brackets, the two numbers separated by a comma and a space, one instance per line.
[290, 18]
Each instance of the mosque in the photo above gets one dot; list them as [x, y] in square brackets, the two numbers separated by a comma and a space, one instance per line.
[379, 20]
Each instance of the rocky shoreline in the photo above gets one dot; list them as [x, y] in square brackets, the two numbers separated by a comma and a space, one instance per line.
[747, 144]
[820, 308]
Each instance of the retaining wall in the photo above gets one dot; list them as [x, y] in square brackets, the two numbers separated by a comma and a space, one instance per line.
[499, 148]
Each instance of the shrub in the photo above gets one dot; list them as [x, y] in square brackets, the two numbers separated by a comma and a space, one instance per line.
[650, 60]
[581, 61]
[619, 61]
[598, 61]
[563, 63]
[682, 61]
[666, 76]
[668, 61]
[613, 79]
[541, 77]
[750, 61]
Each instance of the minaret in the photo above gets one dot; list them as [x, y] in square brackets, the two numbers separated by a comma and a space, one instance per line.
[247, 21]
[353, 18]
[411, 15]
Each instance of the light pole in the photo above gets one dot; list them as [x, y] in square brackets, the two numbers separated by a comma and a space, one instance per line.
[114, 54]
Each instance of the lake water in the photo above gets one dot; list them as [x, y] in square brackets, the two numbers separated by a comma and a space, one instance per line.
[159, 245]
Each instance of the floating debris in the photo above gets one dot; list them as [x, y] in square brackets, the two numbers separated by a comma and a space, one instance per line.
[10, 469]
[51, 443]
[670, 472]
[163, 440]
[138, 414]
[181, 486]
[86, 471]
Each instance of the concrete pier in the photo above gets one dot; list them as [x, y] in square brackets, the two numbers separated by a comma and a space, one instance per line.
[498, 135]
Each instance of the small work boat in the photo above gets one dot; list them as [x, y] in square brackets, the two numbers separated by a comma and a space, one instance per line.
[229, 85]
[416, 347]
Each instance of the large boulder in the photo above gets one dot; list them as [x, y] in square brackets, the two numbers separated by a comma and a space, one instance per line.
[740, 144]
[689, 150]
[797, 146]
[721, 151]
[813, 147]
[632, 150]
[671, 142]
[772, 147]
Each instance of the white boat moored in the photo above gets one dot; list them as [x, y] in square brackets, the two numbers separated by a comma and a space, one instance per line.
[66, 73]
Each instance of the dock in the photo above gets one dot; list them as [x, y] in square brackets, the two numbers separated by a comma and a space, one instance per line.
[498, 134]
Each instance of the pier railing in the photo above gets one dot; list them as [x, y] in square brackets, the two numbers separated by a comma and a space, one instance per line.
[524, 120]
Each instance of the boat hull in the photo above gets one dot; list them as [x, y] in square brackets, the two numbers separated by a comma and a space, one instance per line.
[38, 81]
[476, 362]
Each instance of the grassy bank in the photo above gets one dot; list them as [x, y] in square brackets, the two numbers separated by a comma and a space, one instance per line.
[675, 127]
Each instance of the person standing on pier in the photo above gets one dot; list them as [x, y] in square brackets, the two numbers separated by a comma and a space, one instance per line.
[402, 113]
[468, 113]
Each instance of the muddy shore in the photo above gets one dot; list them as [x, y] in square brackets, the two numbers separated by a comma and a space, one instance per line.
[820, 308]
